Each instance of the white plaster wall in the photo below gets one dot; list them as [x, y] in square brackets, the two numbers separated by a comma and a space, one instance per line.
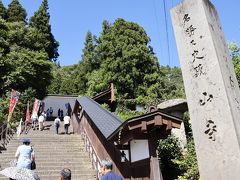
[181, 135]
[57, 102]
[139, 150]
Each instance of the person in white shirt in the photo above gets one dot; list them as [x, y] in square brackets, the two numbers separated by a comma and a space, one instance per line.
[66, 120]
[34, 120]
[56, 124]
[25, 154]
[40, 122]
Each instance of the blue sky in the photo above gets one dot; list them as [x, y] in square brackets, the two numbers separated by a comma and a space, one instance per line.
[71, 19]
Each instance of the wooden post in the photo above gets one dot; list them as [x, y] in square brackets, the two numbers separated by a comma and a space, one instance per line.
[211, 88]
[155, 169]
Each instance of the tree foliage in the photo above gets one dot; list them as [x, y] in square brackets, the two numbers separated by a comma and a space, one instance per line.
[122, 55]
[23, 67]
[173, 83]
[3, 11]
[63, 81]
[4, 48]
[188, 163]
[43, 36]
[87, 64]
[125, 58]
[235, 55]
[174, 163]
[168, 152]
[15, 12]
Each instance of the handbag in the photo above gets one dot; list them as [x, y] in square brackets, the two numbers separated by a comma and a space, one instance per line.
[33, 165]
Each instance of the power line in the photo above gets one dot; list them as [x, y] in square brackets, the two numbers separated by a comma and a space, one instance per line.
[166, 28]
[157, 27]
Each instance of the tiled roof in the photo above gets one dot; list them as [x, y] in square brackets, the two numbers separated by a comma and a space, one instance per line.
[106, 122]
[177, 104]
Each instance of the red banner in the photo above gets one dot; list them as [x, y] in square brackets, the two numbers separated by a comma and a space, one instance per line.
[13, 101]
[28, 119]
[36, 106]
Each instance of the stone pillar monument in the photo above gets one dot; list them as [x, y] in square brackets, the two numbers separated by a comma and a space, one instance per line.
[211, 87]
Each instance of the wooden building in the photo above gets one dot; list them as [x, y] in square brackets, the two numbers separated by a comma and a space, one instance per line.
[108, 97]
[131, 145]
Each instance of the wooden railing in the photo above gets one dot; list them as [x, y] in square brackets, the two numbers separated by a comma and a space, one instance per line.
[95, 160]
[5, 134]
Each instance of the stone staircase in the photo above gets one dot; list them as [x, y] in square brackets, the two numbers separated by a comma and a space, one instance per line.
[53, 153]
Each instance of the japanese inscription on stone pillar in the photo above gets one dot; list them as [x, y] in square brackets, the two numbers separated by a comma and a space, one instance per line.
[211, 88]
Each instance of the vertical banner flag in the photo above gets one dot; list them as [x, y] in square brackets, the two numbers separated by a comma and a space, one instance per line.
[13, 101]
[19, 128]
[36, 106]
[28, 113]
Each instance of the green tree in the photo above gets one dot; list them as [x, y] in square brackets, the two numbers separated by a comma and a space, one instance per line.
[235, 55]
[42, 34]
[4, 103]
[188, 164]
[169, 152]
[87, 63]
[15, 12]
[55, 85]
[96, 82]
[172, 82]
[17, 34]
[27, 69]
[23, 67]
[126, 60]
[68, 84]
[4, 44]
[64, 80]
[20, 108]
[4, 49]
[3, 11]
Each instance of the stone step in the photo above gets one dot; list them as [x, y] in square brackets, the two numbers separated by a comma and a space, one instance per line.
[38, 153]
[55, 161]
[49, 145]
[53, 153]
[52, 138]
[48, 155]
[56, 171]
[57, 177]
[52, 161]
[59, 166]
[51, 148]
[61, 146]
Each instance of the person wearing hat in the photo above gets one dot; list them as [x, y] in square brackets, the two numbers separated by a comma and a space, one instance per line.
[25, 154]
[106, 171]
[65, 174]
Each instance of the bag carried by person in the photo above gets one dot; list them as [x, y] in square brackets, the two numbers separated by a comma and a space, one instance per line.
[33, 165]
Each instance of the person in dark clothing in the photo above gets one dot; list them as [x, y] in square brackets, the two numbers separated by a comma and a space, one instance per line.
[59, 112]
[107, 172]
[51, 111]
